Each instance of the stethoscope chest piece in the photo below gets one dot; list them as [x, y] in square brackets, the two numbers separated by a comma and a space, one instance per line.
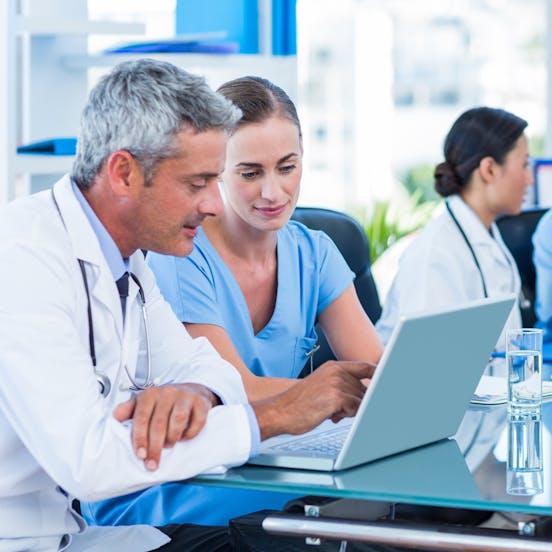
[104, 382]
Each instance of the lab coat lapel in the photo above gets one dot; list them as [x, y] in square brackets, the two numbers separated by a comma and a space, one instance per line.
[478, 236]
[86, 247]
[104, 290]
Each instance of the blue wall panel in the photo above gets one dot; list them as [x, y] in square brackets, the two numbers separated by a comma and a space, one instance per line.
[284, 27]
[239, 18]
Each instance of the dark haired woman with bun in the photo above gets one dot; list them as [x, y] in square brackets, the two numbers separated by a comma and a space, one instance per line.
[460, 256]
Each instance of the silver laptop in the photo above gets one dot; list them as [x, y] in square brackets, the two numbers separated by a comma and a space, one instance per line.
[418, 394]
[400, 475]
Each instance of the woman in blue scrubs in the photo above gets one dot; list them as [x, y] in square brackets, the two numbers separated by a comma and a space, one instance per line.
[255, 284]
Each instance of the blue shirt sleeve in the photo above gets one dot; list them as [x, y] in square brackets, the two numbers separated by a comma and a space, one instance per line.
[542, 258]
[335, 274]
[187, 284]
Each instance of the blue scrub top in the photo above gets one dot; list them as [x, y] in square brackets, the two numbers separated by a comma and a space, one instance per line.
[201, 289]
[311, 274]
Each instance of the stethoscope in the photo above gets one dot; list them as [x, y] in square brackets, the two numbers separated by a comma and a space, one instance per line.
[523, 302]
[103, 380]
[310, 357]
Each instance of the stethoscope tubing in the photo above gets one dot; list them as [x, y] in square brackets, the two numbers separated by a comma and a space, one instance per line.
[103, 380]
[474, 256]
[483, 283]
[470, 247]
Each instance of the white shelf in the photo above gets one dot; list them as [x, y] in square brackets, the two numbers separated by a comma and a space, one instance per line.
[58, 25]
[252, 61]
[216, 68]
[33, 163]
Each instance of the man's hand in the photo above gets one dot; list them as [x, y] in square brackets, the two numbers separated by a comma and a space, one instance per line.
[332, 391]
[162, 416]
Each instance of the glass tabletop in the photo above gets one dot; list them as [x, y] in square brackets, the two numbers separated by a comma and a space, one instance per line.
[467, 471]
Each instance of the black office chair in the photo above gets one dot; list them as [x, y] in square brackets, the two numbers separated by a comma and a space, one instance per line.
[517, 231]
[350, 238]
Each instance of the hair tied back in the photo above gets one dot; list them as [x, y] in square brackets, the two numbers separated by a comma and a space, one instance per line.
[446, 180]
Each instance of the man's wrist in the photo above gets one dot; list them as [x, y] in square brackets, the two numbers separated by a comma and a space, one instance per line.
[201, 389]
[269, 417]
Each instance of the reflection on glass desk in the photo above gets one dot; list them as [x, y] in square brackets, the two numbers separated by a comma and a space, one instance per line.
[468, 471]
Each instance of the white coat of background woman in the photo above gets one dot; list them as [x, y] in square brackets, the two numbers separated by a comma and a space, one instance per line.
[460, 255]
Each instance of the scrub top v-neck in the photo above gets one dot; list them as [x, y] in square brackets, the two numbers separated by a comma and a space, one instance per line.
[311, 274]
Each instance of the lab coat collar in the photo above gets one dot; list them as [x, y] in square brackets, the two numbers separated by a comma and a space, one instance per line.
[477, 233]
[111, 252]
[87, 247]
[475, 230]
[83, 239]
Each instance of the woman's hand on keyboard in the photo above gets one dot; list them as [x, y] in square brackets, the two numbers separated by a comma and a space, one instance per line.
[333, 391]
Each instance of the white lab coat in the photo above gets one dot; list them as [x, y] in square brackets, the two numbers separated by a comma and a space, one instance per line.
[438, 270]
[55, 427]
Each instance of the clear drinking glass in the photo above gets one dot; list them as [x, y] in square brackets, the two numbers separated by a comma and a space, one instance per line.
[525, 468]
[524, 355]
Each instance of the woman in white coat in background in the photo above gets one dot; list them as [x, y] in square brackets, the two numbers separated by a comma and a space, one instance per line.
[460, 256]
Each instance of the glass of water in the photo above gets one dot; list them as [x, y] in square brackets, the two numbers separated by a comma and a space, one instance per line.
[524, 355]
[525, 466]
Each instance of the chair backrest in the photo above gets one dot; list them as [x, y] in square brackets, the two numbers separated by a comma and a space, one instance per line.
[517, 231]
[350, 238]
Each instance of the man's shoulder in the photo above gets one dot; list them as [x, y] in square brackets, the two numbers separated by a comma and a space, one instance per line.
[23, 215]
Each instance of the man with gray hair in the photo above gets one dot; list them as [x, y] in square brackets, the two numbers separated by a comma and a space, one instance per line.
[102, 390]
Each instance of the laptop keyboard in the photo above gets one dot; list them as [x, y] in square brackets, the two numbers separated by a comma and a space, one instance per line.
[326, 443]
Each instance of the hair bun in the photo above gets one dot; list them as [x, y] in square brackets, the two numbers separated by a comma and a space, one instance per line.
[446, 181]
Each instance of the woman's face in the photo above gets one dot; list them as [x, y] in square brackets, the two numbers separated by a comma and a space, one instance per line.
[513, 177]
[263, 171]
